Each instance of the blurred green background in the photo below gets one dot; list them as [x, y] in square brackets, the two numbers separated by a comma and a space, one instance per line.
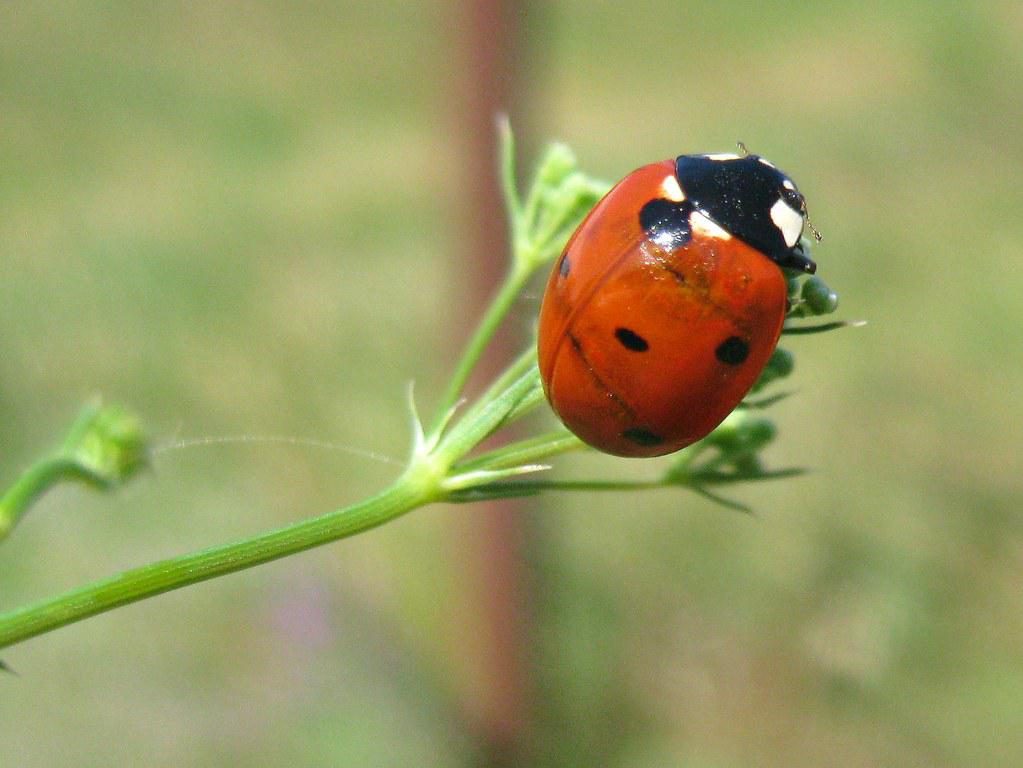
[243, 220]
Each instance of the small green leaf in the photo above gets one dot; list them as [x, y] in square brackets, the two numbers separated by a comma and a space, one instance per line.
[556, 164]
[765, 402]
[797, 330]
[482, 477]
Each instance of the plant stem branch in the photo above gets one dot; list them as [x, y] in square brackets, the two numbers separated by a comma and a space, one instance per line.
[527, 451]
[498, 308]
[407, 493]
[33, 483]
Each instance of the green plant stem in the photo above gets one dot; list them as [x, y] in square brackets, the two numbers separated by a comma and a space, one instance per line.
[507, 295]
[513, 394]
[412, 490]
[527, 451]
[696, 483]
[32, 483]
[702, 478]
[519, 272]
[506, 171]
[426, 480]
[537, 486]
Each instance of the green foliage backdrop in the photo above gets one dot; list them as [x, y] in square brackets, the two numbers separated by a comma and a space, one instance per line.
[242, 219]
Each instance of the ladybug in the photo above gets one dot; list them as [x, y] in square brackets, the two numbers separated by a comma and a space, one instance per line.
[669, 299]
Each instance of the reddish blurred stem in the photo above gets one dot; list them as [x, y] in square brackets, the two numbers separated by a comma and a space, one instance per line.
[498, 701]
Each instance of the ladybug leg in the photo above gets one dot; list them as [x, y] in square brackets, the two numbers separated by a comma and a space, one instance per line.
[798, 260]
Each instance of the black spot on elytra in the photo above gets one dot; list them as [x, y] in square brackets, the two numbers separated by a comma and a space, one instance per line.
[641, 436]
[732, 351]
[667, 222]
[563, 267]
[631, 340]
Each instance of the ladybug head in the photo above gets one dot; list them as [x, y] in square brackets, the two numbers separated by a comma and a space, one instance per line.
[752, 200]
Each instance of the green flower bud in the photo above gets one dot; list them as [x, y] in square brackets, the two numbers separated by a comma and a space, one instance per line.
[782, 362]
[819, 298]
[557, 162]
[107, 445]
[757, 433]
[748, 464]
[795, 284]
[780, 365]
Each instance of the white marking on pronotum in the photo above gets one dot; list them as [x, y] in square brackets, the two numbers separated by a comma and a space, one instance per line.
[723, 156]
[787, 183]
[767, 162]
[700, 222]
[788, 220]
[672, 191]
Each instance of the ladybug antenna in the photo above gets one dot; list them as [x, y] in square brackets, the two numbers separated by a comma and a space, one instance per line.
[806, 220]
[742, 149]
[810, 226]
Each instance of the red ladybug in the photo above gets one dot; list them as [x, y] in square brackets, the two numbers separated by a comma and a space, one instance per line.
[668, 301]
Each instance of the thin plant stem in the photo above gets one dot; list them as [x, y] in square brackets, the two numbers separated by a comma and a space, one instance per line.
[537, 486]
[496, 311]
[32, 483]
[137, 584]
[520, 269]
[524, 452]
[422, 483]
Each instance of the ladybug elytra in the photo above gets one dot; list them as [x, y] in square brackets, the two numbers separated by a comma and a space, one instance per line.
[668, 301]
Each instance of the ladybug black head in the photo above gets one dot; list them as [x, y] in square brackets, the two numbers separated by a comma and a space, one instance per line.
[750, 199]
